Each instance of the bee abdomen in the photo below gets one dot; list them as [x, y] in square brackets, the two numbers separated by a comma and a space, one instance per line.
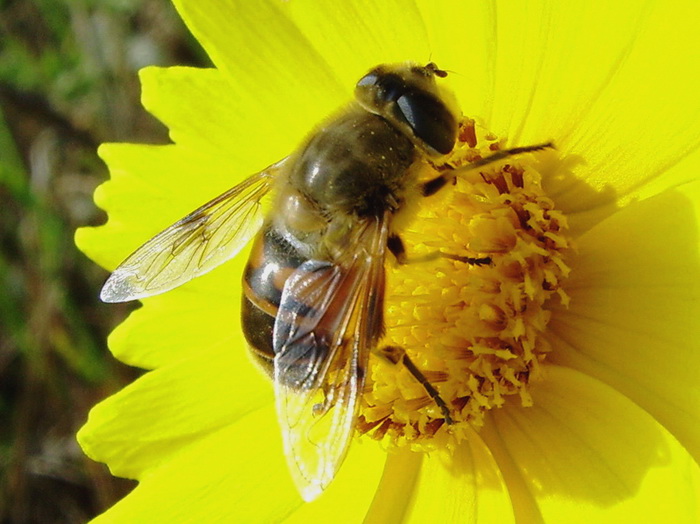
[272, 260]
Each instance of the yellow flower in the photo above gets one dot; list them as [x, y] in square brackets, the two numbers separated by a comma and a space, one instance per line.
[613, 430]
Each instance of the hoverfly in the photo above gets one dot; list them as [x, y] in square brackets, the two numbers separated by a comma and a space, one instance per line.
[314, 283]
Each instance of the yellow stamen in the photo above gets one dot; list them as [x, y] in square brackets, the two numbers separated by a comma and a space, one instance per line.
[472, 330]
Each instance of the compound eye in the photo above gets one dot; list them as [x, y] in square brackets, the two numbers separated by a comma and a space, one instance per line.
[429, 119]
[376, 90]
[369, 80]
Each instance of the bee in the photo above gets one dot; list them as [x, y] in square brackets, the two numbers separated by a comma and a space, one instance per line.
[313, 288]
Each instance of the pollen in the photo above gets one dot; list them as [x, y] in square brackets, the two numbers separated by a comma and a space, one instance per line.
[486, 259]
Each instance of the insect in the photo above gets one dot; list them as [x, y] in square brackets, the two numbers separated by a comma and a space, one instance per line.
[314, 284]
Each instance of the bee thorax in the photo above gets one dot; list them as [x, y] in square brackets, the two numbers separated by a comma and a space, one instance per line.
[358, 165]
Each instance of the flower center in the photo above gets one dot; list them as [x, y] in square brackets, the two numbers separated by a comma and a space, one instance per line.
[472, 330]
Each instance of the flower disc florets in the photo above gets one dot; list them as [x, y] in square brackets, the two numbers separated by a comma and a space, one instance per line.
[474, 329]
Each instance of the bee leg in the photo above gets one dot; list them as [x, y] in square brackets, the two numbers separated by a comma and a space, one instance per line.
[449, 173]
[436, 184]
[396, 355]
[472, 261]
[397, 247]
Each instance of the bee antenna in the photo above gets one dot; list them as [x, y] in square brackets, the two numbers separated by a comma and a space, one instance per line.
[433, 68]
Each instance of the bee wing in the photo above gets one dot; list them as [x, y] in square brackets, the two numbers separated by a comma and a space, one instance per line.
[329, 319]
[195, 244]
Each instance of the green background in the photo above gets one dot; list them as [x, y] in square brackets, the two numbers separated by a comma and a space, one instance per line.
[68, 82]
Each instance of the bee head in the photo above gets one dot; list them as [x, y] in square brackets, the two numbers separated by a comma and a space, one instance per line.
[408, 96]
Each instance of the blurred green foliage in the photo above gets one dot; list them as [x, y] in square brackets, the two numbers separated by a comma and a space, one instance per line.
[67, 83]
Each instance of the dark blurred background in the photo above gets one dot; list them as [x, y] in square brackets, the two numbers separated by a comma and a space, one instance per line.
[68, 81]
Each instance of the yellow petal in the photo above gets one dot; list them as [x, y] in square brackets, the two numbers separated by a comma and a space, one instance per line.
[550, 60]
[685, 170]
[150, 188]
[347, 498]
[585, 453]
[204, 111]
[635, 305]
[467, 487]
[468, 39]
[199, 318]
[353, 36]
[275, 70]
[237, 474]
[170, 408]
[612, 86]
[647, 116]
[394, 495]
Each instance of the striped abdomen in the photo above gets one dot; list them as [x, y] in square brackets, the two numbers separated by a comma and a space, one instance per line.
[272, 260]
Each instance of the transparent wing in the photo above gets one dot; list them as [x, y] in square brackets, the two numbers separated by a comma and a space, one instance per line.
[329, 319]
[194, 245]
